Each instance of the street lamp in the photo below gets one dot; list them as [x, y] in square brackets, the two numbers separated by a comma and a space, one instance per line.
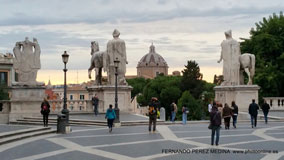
[116, 109]
[65, 111]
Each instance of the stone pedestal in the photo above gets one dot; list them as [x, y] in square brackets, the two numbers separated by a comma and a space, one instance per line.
[162, 114]
[26, 101]
[241, 94]
[106, 95]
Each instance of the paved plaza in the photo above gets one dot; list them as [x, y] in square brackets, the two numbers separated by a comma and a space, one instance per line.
[135, 142]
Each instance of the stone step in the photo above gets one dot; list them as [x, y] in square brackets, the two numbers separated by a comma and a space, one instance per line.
[70, 120]
[40, 122]
[18, 137]
[23, 131]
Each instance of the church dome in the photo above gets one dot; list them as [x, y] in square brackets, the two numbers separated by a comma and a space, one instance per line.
[152, 59]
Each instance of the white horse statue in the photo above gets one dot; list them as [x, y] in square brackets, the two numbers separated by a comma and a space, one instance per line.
[247, 62]
[99, 61]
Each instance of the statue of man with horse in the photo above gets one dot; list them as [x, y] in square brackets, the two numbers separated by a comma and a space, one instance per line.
[104, 60]
[235, 63]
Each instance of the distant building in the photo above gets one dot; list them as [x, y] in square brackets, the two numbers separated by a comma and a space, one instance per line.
[151, 65]
[7, 72]
[176, 73]
[77, 92]
[74, 91]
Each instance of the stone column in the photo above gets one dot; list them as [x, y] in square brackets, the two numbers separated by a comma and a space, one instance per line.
[162, 114]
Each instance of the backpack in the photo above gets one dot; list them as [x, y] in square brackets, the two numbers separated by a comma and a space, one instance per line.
[215, 119]
[152, 110]
[44, 108]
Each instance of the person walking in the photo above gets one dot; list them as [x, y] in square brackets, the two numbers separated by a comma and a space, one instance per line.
[45, 110]
[265, 109]
[227, 113]
[215, 121]
[95, 101]
[153, 109]
[253, 107]
[174, 111]
[110, 116]
[235, 112]
[184, 114]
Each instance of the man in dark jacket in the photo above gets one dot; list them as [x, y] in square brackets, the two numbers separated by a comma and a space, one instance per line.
[253, 107]
[153, 109]
[95, 101]
[265, 109]
[45, 109]
[235, 113]
[215, 120]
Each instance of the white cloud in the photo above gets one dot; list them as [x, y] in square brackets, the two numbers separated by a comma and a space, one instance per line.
[180, 29]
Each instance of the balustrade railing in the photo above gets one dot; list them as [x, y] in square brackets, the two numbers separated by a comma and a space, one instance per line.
[73, 105]
[276, 103]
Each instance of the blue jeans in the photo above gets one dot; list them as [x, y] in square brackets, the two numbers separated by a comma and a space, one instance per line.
[217, 130]
[173, 116]
[235, 117]
[265, 116]
[253, 119]
[184, 118]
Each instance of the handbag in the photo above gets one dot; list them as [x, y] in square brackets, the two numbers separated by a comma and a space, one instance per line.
[210, 126]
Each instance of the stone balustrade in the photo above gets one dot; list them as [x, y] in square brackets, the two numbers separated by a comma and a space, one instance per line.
[276, 103]
[73, 105]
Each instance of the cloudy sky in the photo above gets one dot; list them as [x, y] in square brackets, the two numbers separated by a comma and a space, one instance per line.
[181, 30]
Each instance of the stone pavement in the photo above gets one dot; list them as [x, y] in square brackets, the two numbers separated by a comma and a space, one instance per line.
[135, 142]
[92, 116]
[10, 128]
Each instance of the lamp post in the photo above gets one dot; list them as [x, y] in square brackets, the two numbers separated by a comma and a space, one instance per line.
[116, 109]
[65, 111]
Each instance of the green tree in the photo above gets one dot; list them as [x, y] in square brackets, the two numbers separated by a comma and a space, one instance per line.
[138, 85]
[266, 42]
[165, 88]
[195, 110]
[192, 79]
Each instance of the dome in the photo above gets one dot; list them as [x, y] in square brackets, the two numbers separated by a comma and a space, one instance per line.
[152, 59]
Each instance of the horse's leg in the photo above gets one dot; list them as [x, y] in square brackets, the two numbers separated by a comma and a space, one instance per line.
[97, 75]
[248, 73]
[100, 76]
[92, 66]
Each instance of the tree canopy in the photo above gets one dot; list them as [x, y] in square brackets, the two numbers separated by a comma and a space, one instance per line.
[267, 44]
[192, 79]
[170, 89]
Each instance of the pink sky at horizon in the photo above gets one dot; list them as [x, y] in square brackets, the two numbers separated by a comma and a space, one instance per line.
[80, 76]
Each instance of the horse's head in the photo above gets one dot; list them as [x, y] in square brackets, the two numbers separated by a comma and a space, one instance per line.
[94, 47]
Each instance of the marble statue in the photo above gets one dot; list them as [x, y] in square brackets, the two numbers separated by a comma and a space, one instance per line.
[116, 50]
[99, 61]
[247, 62]
[27, 61]
[230, 55]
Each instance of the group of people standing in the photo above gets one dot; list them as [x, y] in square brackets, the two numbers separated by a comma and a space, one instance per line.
[174, 110]
[217, 112]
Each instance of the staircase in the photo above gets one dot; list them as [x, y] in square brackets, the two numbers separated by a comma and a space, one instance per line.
[9, 137]
[78, 122]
